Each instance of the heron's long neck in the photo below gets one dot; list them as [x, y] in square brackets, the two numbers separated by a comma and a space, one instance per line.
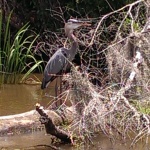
[74, 44]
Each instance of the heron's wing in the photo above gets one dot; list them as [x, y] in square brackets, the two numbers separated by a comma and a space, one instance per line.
[56, 63]
[54, 67]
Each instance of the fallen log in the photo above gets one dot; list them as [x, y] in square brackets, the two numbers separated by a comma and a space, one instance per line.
[29, 121]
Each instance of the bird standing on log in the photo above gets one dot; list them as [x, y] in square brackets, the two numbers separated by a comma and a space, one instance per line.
[60, 62]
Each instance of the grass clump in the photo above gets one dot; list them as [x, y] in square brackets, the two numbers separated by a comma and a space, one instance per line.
[16, 53]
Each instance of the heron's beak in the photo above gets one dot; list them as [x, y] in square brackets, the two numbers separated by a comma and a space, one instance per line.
[86, 24]
[79, 22]
[74, 24]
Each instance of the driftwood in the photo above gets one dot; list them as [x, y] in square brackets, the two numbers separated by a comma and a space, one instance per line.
[29, 121]
[50, 127]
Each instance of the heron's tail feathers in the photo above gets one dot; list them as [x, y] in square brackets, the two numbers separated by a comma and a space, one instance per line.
[44, 84]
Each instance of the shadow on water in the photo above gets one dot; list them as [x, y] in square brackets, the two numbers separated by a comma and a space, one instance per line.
[20, 98]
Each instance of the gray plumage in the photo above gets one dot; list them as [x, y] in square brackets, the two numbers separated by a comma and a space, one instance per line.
[59, 63]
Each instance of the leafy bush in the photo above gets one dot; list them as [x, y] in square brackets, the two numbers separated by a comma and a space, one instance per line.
[16, 55]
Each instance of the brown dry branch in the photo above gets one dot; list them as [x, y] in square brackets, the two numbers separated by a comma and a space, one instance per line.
[96, 112]
[108, 108]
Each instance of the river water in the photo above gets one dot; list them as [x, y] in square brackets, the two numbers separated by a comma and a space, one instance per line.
[19, 98]
[41, 141]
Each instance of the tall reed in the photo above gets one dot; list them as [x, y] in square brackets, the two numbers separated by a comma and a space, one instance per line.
[16, 54]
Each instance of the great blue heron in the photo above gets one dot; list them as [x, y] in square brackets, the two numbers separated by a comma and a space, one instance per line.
[60, 62]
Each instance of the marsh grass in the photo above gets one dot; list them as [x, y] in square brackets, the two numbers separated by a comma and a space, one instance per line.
[16, 53]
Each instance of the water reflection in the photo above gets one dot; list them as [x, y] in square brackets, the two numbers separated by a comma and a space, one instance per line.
[36, 141]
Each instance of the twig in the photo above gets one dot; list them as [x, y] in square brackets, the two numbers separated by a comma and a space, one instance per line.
[116, 11]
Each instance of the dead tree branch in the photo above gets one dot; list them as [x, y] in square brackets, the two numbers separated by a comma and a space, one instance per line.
[51, 127]
[111, 13]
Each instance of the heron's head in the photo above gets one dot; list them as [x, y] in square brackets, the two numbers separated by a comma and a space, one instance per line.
[72, 24]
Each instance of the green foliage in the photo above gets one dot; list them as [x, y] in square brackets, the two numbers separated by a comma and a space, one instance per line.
[16, 54]
[144, 108]
[141, 106]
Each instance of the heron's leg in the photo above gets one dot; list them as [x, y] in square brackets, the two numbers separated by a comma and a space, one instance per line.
[60, 89]
[56, 93]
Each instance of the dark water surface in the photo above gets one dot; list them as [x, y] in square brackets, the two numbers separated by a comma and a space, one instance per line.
[20, 98]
